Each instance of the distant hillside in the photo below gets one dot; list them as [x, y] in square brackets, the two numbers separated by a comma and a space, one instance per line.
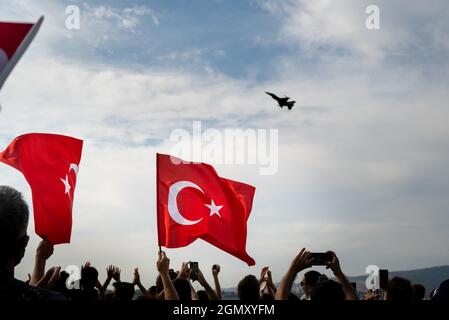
[430, 278]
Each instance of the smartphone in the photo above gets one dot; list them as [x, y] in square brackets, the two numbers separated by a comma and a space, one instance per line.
[354, 286]
[383, 279]
[194, 271]
[321, 258]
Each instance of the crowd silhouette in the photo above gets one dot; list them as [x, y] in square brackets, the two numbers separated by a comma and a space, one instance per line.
[171, 284]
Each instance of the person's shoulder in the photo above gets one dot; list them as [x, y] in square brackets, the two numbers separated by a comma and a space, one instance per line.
[34, 293]
[79, 294]
[13, 289]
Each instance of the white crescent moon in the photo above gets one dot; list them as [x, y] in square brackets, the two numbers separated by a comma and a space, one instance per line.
[175, 188]
[74, 167]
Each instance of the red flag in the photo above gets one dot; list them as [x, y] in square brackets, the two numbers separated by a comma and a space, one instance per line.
[14, 40]
[194, 202]
[50, 164]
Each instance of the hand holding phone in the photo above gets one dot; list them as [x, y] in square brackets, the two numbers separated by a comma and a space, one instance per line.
[194, 268]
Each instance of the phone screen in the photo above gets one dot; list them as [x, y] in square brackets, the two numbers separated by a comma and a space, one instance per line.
[320, 258]
[383, 279]
[194, 270]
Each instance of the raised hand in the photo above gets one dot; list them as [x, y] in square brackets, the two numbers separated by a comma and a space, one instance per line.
[370, 295]
[263, 274]
[301, 261]
[44, 250]
[334, 264]
[215, 269]
[110, 271]
[136, 280]
[138, 283]
[49, 279]
[184, 272]
[163, 263]
[269, 278]
[116, 274]
[210, 292]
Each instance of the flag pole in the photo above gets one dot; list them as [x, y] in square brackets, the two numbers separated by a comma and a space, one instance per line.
[157, 204]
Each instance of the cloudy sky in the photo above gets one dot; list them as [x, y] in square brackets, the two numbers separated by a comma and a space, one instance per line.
[363, 157]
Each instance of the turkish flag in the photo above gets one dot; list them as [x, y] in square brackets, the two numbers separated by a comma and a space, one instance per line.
[194, 202]
[14, 40]
[50, 165]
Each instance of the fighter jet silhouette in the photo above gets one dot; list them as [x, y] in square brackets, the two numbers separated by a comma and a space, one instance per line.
[283, 102]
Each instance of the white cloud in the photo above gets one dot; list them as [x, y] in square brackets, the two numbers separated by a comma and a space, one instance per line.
[127, 18]
[141, 11]
[273, 6]
[329, 27]
[364, 151]
[343, 160]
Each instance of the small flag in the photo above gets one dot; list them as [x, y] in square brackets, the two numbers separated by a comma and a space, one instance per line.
[14, 41]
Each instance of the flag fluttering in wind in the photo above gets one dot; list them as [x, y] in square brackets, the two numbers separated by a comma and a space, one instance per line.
[50, 165]
[194, 202]
[14, 40]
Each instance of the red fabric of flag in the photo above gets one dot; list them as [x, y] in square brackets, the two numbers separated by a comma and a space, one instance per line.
[15, 38]
[50, 165]
[11, 36]
[194, 202]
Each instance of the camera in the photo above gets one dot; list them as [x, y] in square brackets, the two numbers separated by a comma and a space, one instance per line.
[321, 258]
[194, 269]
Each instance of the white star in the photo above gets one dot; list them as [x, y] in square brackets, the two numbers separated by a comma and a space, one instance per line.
[66, 184]
[214, 208]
